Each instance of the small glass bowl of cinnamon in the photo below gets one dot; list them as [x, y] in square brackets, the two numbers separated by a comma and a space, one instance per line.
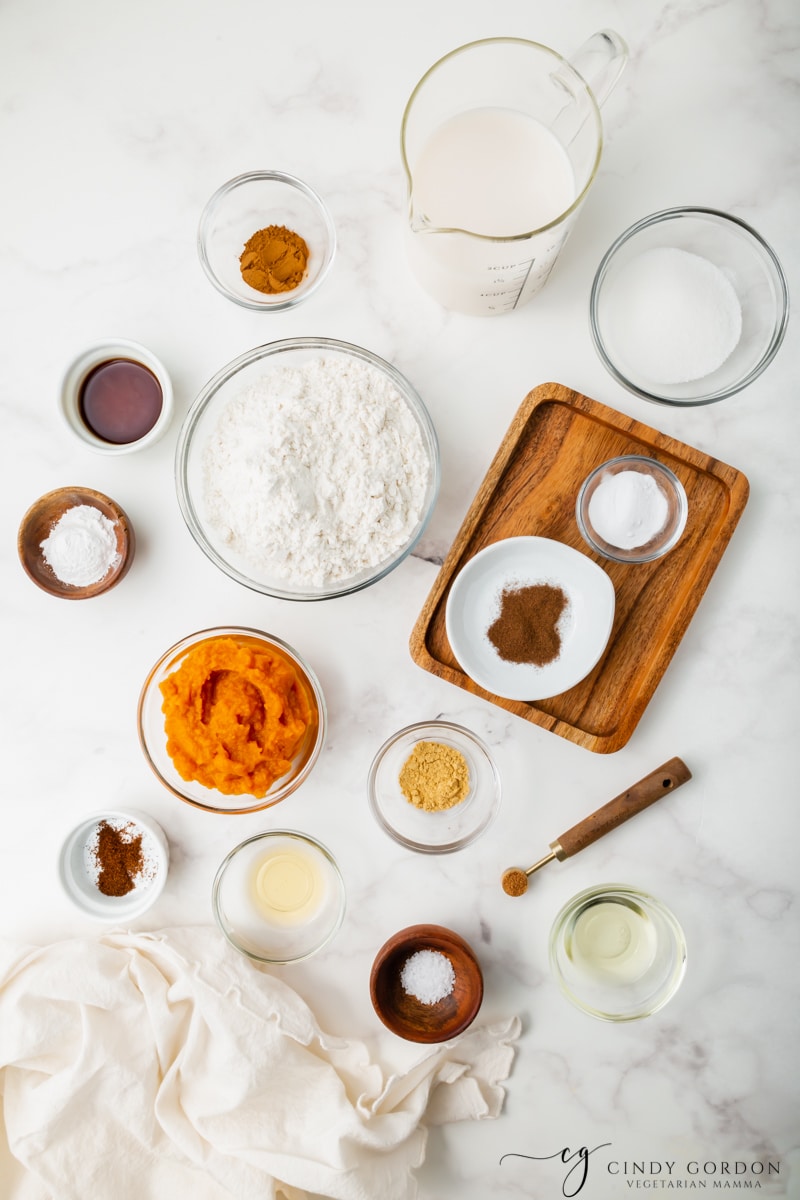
[266, 240]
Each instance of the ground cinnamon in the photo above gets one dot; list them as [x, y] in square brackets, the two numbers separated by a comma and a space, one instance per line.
[119, 858]
[274, 259]
[526, 631]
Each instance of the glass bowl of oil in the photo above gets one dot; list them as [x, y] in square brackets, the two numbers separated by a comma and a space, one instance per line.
[617, 953]
[279, 896]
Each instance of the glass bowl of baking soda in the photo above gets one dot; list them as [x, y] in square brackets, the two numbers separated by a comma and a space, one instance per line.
[307, 468]
[688, 306]
[632, 509]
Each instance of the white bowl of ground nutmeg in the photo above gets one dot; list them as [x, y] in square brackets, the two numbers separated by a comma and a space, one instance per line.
[529, 617]
[434, 787]
[266, 240]
[114, 864]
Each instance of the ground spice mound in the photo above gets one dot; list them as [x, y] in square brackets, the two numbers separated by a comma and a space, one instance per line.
[526, 631]
[434, 777]
[119, 858]
[274, 259]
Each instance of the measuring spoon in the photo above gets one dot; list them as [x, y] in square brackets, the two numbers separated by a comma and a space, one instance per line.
[641, 795]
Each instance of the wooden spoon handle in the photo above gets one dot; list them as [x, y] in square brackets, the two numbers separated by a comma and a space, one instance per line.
[641, 795]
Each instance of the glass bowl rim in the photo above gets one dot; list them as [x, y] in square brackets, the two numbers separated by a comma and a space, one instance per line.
[631, 556]
[341, 894]
[287, 346]
[482, 749]
[212, 205]
[723, 218]
[184, 644]
[667, 989]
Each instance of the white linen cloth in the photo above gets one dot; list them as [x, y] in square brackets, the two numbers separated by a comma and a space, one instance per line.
[158, 1065]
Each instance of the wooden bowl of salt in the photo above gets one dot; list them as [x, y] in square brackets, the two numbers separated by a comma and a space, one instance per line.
[426, 984]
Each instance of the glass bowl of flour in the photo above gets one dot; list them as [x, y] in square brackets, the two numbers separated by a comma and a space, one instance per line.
[307, 468]
[688, 306]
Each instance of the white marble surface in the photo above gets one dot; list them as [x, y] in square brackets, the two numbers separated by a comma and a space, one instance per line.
[116, 124]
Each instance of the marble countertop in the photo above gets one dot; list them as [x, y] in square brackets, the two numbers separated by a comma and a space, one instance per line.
[116, 124]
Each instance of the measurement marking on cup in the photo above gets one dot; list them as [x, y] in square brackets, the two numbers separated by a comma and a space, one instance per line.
[501, 293]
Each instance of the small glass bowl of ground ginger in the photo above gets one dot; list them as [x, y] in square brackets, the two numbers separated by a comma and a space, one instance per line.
[434, 787]
[266, 240]
[231, 720]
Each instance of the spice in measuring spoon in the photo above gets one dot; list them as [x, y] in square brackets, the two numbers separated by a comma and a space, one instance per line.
[274, 260]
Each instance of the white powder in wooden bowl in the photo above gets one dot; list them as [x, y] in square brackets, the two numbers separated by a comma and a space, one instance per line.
[316, 473]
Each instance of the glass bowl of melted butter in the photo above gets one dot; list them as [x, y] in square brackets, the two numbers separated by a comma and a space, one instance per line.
[279, 896]
[617, 953]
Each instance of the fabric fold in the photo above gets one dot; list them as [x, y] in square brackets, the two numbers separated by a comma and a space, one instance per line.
[165, 1064]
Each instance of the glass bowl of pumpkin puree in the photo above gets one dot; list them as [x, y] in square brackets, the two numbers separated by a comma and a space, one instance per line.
[231, 720]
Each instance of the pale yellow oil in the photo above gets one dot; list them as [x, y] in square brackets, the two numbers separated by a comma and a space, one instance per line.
[613, 941]
[288, 886]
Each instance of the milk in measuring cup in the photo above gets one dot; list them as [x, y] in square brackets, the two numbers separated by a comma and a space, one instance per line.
[497, 173]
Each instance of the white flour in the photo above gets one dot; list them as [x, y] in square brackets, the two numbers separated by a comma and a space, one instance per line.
[81, 548]
[316, 473]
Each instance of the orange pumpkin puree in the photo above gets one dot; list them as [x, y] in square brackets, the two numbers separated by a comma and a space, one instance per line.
[236, 714]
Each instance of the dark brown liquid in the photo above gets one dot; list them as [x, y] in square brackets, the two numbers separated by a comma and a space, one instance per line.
[120, 401]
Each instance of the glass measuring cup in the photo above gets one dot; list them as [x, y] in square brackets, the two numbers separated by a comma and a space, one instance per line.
[501, 140]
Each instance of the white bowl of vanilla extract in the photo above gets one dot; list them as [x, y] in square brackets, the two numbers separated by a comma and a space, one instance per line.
[116, 397]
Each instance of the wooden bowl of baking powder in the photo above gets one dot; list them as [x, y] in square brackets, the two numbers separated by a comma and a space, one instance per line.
[75, 543]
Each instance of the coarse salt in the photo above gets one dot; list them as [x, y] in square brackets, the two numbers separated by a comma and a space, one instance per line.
[628, 509]
[672, 316]
[428, 976]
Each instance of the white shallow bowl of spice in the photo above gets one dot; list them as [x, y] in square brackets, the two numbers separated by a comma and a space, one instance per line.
[307, 468]
[529, 617]
[434, 787]
[266, 240]
[114, 864]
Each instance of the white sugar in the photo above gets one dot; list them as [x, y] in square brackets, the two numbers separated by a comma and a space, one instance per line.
[428, 976]
[673, 316]
[628, 509]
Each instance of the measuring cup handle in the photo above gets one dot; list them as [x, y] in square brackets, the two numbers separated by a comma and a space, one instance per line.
[641, 795]
[600, 62]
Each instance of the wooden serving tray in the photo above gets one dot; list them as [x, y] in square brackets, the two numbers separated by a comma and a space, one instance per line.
[556, 438]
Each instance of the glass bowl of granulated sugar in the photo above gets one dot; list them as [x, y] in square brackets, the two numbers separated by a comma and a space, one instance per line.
[307, 468]
[688, 306]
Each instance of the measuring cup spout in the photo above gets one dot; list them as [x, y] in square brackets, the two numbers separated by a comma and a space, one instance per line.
[600, 62]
